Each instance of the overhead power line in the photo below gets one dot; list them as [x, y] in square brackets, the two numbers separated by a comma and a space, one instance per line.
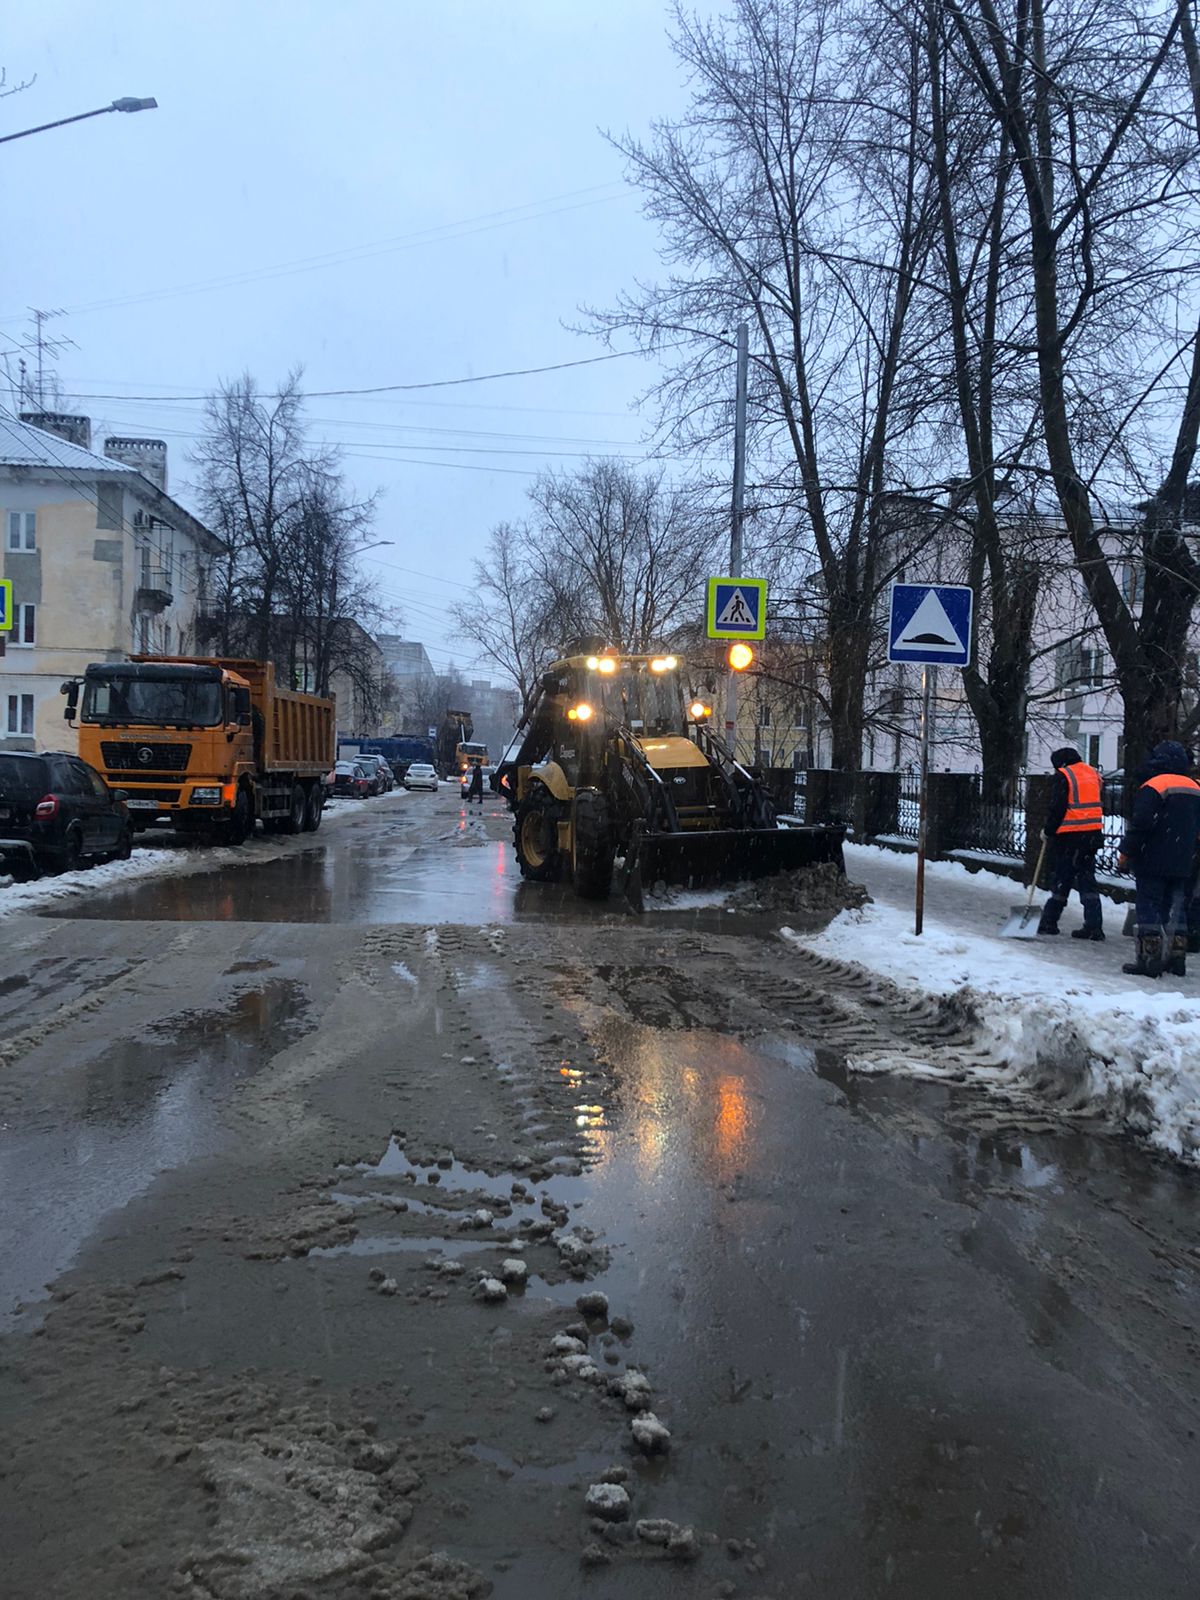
[398, 388]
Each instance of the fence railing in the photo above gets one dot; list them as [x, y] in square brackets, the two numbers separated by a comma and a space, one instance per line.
[968, 818]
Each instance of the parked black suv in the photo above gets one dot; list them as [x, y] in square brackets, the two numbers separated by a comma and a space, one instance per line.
[56, 812]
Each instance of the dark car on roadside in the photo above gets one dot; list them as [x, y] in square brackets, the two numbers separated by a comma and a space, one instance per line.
[350, 778]
[57, 813]
[378, 771]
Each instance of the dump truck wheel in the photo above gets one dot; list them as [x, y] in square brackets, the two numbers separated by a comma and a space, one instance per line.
[294, 820]
[594, 845]
[535, 836]
[313, 808]
[241, 824]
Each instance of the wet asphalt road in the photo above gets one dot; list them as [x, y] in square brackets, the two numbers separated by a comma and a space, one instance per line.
[905, 1350]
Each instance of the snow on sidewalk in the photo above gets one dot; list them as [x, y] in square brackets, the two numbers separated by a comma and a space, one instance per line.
[161, 855]
[1059, 1018]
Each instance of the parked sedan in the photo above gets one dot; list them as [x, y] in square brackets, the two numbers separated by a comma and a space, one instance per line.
[378, 772]
[420, 775]
[57, 813]
[349, 778]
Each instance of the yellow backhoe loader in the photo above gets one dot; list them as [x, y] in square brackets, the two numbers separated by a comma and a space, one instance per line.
[615, 762]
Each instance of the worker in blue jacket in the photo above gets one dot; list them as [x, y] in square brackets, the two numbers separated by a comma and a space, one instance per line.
[1161, 844]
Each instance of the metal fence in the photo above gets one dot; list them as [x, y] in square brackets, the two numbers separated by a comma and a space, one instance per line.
[971, 817]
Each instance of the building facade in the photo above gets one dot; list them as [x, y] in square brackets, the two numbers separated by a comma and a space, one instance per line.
[103, 564]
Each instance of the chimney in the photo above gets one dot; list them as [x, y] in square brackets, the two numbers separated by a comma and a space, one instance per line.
[76, 430]
[149, 456]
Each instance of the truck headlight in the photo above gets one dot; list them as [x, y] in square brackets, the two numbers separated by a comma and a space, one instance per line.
[205, 797]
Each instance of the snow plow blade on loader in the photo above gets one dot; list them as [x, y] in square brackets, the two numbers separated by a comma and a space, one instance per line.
[726, 855]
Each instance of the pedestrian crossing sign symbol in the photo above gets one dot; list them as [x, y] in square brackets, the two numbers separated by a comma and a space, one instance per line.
[6, 606]
[737, 608]
[930, 623]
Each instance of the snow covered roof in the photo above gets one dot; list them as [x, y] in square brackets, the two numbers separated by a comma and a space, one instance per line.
[37, 450]
[24, 446]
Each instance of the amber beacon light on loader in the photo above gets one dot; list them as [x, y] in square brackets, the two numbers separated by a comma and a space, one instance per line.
[615, 764]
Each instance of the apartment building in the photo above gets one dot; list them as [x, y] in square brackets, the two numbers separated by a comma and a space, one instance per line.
[103, 564]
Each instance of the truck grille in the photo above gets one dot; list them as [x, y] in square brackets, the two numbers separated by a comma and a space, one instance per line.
[129, 755]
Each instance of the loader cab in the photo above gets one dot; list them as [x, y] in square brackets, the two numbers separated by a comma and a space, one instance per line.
[641, 693]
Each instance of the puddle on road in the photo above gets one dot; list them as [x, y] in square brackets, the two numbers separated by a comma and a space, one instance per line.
[864, 1377]
[383, 873]
[137, 1108]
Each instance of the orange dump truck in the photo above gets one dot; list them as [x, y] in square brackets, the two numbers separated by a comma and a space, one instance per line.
[210, 746]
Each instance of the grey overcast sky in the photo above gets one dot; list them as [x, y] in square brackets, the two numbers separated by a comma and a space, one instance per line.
[384, 191]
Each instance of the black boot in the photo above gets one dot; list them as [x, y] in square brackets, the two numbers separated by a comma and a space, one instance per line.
[1051, 911]
[1149, 962]
[1177, 960]
[1096, 935]
[1193, 943]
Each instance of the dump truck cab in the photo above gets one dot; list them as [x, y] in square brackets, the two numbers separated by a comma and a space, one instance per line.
[616, 759]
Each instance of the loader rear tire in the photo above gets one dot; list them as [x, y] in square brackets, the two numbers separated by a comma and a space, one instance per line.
[594, 845]
[535, 836]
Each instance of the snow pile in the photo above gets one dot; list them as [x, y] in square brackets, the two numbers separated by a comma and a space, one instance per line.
[1124, 1049]
[159, 854]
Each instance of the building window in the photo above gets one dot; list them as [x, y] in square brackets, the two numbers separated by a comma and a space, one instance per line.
[764, 716]
[25, 625]
[20, 714]
[22, 530]
[1093, 750]
[1133, 582]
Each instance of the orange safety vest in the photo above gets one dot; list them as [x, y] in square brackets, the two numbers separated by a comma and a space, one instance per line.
[1166, 782]
[1083, 800]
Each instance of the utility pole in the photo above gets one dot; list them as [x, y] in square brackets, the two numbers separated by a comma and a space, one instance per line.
[738, 509]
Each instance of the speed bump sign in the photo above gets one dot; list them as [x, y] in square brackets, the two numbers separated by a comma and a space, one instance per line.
[6, 605]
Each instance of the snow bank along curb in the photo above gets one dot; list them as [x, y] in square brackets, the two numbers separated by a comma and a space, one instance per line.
[1130, 1056]
[179, 861]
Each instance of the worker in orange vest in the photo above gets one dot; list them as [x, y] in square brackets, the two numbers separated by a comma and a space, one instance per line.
[1075, 822]
[1161, 844]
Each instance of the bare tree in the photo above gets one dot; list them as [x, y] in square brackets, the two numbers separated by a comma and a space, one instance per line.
[1101, 107]
[796, 193]
[607, 554]
[508, 617]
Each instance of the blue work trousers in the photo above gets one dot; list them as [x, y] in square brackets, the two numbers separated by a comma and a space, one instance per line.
[1162, 902]
[1075, 868]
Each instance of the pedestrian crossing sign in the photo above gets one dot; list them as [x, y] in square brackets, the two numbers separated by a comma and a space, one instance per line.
[6, 605]
[737, 608]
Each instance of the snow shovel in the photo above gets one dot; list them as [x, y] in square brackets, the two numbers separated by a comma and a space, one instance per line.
[1023, 920]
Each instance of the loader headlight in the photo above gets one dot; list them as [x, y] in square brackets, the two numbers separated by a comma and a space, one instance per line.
[663, 664]
[580, 713]
[592, 663]
[699, 710]
[607, 666]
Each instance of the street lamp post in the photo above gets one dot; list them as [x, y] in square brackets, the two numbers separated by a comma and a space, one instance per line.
[127, 103]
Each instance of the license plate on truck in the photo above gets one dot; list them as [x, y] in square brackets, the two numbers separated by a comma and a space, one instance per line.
[142, 805]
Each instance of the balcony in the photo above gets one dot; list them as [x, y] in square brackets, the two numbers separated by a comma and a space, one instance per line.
[154, 592]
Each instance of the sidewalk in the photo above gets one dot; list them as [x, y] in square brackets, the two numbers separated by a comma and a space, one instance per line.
[977, 903]
[1059, 1024]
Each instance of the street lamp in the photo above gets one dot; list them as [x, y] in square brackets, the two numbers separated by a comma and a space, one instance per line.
[126, 103]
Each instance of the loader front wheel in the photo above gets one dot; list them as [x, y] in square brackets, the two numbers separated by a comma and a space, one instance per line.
[594, 846]
[535, 836]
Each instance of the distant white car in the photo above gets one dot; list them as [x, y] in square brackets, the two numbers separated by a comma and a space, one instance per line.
[421, 775]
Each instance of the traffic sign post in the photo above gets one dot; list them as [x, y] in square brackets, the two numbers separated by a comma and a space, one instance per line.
[929, 624]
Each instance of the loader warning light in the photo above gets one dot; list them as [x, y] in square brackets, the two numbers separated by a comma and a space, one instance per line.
[739, 656]
[580, 713]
